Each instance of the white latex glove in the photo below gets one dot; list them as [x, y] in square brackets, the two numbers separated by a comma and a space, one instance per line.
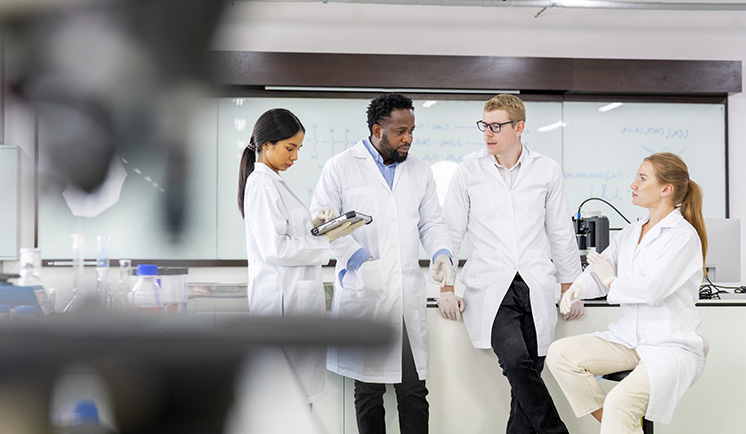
[344, 229]
[568, 297]
[571, 306]
[602, 267]
[324, 216]
[442, 270]
[450, 305]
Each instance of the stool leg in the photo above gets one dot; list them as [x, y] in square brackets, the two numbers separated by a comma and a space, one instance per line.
[647, 426]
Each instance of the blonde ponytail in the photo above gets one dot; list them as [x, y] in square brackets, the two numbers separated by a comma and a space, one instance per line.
[691, 209]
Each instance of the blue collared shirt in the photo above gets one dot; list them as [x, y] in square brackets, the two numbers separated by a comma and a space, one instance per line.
[389, 171]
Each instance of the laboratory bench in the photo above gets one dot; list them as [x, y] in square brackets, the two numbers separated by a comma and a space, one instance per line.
[468, 393]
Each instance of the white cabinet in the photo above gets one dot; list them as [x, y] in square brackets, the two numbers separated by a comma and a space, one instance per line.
[469, 394]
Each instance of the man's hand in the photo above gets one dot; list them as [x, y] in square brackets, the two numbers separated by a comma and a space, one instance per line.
[450, 305]
[442, 270]
[571, 306]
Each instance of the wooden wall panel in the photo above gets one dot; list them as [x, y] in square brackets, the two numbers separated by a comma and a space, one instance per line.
[619, 76]
[527, 74]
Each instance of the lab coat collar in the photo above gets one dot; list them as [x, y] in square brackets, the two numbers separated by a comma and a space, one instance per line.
[263, 168]
[516, 166]
[359, 151]
[671, 220]
[526, 155]
[526, 158]
[260, 167]
[377, 158]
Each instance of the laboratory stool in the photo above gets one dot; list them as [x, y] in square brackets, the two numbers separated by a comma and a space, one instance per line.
[647, 425]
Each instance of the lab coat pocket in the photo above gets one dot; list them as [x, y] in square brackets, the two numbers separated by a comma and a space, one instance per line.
[306, 299]
[363, 291]
[371, 277]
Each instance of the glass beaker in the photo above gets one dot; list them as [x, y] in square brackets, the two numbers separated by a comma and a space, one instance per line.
[102, 270]
[82, 293]
[30, 263]
[146, 294]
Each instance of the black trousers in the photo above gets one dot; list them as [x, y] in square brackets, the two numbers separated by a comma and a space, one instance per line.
[514, 342]
[414, 410]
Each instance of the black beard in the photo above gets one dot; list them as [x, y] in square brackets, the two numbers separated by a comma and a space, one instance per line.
[392, 154]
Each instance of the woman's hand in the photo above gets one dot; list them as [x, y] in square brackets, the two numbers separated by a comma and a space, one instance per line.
[602, 267]
[344, 229]
[324, 216]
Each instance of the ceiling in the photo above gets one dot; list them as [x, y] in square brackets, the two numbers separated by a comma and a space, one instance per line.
[581, 4]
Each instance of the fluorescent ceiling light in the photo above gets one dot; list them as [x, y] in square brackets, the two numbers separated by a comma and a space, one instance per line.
[551, 127]
[611, 106]
[429, 103]
[386, 90]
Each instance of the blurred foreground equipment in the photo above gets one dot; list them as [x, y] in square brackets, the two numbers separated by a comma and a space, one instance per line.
[109, 78]
[165, 374]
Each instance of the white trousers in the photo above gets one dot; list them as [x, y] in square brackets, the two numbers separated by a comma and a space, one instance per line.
[575, 361]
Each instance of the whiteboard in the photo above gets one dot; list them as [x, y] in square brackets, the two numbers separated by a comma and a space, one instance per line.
[603, 151]
[9, 199]
[598, 151]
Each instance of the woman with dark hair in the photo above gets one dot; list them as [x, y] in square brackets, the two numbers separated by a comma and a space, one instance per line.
[284, 258]
[652, 269]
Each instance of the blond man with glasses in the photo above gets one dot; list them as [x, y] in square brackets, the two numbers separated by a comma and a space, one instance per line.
[511, 203]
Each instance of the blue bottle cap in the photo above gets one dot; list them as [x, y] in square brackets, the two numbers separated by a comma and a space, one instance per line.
[147, 270]
[86, 412]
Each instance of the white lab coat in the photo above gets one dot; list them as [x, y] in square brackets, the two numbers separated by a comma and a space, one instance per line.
[657, 288]
[285, 265]
[511, 230]
[392, 285]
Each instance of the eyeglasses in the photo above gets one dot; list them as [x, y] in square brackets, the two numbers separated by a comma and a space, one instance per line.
[495, 127]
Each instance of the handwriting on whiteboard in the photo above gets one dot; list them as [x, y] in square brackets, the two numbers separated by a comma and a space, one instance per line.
[668, 133]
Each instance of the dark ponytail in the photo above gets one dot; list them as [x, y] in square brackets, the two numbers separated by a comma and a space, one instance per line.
[247, 166]
[271, 127]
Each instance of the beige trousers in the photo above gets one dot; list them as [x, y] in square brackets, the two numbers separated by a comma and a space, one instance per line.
[575, 361]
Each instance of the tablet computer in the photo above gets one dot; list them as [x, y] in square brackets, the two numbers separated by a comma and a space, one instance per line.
[351, 216]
